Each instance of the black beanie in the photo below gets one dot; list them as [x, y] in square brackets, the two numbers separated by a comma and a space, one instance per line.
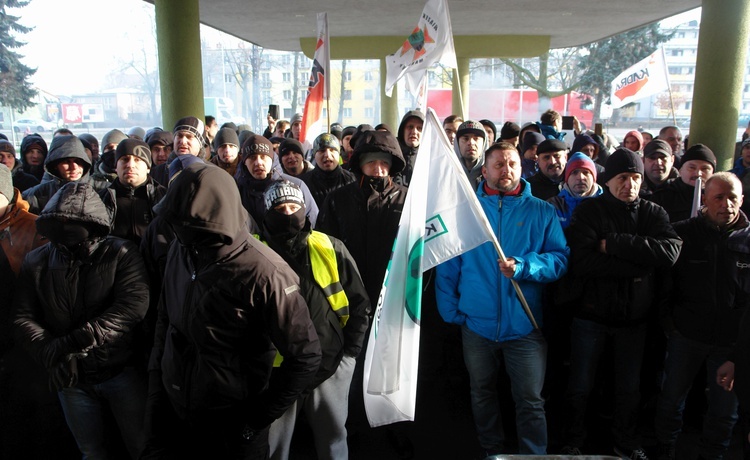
[699, 152]
[622, 161]
[226, 136]
[134, 147]
[509, 130]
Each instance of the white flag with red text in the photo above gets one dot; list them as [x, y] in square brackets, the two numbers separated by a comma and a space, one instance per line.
[645, 78]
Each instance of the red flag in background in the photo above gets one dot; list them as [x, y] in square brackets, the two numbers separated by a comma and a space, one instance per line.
[319, 87]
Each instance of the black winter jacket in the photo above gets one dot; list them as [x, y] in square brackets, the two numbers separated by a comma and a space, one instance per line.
[711, 280]
[132, 209]
[226, 308]
[676, 198]
[321, 183]
[335, 341]
[365, 216]
[90, 300]
[619, 287]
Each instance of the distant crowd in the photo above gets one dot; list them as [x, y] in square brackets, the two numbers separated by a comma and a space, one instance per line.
[194, 292]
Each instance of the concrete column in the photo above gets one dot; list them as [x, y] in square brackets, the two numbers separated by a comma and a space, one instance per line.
[719, 74]
[180, 69]
[461, 88]
[388, 105]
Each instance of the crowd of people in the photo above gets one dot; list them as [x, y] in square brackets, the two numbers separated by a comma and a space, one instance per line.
[196, 292]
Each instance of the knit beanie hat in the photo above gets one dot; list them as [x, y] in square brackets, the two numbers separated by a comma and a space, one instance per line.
[192, 125]
[244, 135]
[114, 136]
[226, 136]
[471, 127]
[699, 152]
[7, 146]
[530, 139]
[297, 117]
[6, 182]
[291, 146]
[551, 145]
[745, 143]
[134, 147]
[491, 125]
[656, 147]
[325, 141]
[348, 131]
[137, 132]
[579, 161]
[621, 161]
[281, 192]
[257, 144]
[383, 127]
[337, 129]
[159, 137]
[509, 130]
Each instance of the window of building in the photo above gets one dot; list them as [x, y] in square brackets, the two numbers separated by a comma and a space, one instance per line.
[302, 96]
[228, 78]
[286, 59]
[304, 77]
[369, 94]
[369, 112]
[265, 97]
[368, 76]
[347, 112]
[287, 95]
[286, 76]
[347, 95]
[346, 76]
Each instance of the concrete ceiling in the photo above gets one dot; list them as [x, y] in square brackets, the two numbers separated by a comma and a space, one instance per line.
[279, 24]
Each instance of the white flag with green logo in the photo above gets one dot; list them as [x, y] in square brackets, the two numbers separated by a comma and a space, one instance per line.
[441, 219]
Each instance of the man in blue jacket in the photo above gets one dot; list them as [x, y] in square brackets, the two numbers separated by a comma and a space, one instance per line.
[492, 319]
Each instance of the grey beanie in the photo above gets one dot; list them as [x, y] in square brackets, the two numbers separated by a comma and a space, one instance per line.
[113, 137]
[6, 182]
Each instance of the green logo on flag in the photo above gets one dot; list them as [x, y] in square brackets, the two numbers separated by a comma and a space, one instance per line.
[414, 281]
[434, 227]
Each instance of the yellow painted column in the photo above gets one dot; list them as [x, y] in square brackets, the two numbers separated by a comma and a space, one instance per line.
[719, 77]
[460, 100]
[180, 70]
[388, 105]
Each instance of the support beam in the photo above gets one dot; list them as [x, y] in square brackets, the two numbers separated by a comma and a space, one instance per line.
[388, 105]
[180, 69]
[468, 46]
[719, 73]
[460, 94]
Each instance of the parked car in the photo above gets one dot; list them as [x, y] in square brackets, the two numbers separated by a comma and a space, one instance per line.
[34, 124]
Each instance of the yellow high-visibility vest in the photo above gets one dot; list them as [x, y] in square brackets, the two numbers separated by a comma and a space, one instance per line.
[326, 275]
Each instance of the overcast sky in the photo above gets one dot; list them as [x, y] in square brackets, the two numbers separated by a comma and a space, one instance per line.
[74, 42]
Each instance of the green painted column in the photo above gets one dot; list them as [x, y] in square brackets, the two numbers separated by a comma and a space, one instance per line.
[388, 105]
[180, 70]
[719, 74]
[460, 100]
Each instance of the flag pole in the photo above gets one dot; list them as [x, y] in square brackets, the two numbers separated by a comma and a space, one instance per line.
[457, 84]
[669, 86]
[519, 293]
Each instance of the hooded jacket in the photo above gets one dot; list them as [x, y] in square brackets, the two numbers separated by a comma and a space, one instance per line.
[529, 232]
[228, 303]
[100, 291]
[21, 179]
[36, 171]
[63, 147]
[475, 173]
[365, 214]
[619, 286]
[408, 154]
